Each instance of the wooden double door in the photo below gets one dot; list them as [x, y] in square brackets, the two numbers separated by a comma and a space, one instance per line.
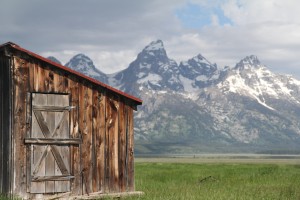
[49, 142]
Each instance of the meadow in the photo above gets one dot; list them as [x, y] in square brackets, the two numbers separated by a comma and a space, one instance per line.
[219, 178]
[233, 177]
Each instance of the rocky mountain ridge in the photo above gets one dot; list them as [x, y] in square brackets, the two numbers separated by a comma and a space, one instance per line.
[194, 106]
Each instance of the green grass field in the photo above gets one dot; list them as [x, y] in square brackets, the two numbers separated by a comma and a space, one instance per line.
[230, 179]
[226, 178]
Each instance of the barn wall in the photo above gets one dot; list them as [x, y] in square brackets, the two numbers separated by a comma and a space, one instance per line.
[5, 121]
[104, 121]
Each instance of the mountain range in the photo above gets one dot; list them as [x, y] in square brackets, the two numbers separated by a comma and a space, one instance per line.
[196, 107]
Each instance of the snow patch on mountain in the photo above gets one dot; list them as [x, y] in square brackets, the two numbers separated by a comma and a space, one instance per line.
[85, 65]
[195, 101]
[152, 78]
[188, 84]
[154, 46]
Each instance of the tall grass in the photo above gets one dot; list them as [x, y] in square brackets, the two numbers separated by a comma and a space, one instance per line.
[217, 181]
[5, 197]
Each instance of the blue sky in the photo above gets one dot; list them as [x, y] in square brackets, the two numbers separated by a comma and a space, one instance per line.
[113, 32]
[193, 16]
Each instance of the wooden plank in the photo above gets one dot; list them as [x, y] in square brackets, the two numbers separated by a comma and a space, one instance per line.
[62, 131]
[49, 80]
[21, 75]
[52, 179]
[86, 129]
[100, 143]
[41, 79]
[107, 156]
[28, 147]
[7, 111]
[35, 78]
[54, 149]
[55, 141]
[37, 150]
[62, 125]
[131, 186]
[2, 69]
[89, 123]
[95, 195]
[53, 108]
[40, 161]
[76, 185]
[58, 82]
[81, 120]
[116, 145]
[53, 125]
[47, 88]
[50, 161]
[31, 85]
[113, 145]
[101, 195]
[58, 88]
[122, 147]
[95, 131]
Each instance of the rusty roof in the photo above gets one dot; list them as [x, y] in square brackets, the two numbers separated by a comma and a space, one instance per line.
[17, 47]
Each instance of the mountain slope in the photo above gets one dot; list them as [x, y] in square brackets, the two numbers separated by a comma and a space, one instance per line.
[85, 65]
[152, 69]
[197, 107]
[54, 59]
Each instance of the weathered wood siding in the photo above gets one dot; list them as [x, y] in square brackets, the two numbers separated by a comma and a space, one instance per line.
[102, 120]
[5, 125]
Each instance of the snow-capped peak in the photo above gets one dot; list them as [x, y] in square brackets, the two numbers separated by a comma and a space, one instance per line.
[154, 46]
[154, 49]
[85, 65]
[248, 61]
[201, 59]
[53, 59]
[81, 62]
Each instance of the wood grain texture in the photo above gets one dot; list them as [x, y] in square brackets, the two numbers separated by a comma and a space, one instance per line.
[122, 147]
[100, 143]
[53, 125]
[131, 186]
[93, 145]
[85, 98]
[21, 75]
[76, 183]
[112, 125]
[95, 140]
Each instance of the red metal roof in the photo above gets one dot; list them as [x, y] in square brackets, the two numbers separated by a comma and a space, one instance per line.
[17, 47]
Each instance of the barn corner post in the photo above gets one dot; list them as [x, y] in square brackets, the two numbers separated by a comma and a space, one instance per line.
[5, 124]
[62, 134]
[20, 119]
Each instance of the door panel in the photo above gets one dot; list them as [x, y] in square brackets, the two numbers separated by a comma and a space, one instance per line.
[50, 144]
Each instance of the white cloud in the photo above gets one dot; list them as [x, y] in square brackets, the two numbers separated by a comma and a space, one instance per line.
[112, 33]
[244, 12]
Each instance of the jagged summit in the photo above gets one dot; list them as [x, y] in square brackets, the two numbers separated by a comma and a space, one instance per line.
[152, 70]
[248, 61]
[85, 65]
[245, 105]
[154, 50]
[82, 63]
[155, 45]
[52, 58]
[201, 59]
[200, 63]
[197, 73]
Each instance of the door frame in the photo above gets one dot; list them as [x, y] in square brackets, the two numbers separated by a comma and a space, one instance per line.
[50, 142]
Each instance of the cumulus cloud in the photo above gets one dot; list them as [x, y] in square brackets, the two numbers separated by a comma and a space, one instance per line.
[113, 32]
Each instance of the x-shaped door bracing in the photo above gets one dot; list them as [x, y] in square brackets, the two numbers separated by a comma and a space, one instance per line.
[46, 132]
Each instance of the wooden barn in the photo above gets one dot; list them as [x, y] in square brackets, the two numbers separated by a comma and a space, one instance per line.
[62, 134]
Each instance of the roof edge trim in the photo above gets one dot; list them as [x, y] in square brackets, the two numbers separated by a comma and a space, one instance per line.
[17, 47]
